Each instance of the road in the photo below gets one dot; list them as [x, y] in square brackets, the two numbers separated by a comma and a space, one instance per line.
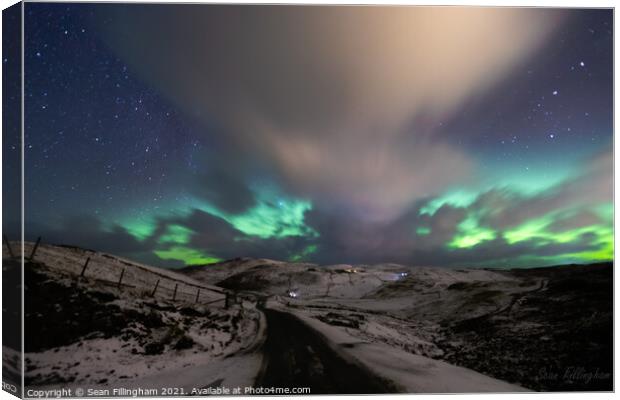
[297, 356]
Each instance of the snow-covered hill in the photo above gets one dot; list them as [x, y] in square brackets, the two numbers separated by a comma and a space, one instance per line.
[481, 329]
[69, 262]
[87, 331]
[451, 314]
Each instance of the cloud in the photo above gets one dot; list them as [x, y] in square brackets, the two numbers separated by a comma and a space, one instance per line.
[89, 232]
[562, 224]
[594, 185]
[340, 102]
[223, 188]
[215, 238]
[566, 224]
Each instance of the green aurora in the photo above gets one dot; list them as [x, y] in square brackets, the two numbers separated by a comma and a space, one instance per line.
[277, 217]
[410, 148]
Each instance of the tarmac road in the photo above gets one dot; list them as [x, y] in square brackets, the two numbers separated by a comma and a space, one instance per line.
[296, 356]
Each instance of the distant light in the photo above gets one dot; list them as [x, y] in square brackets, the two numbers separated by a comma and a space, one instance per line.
[581, 63]
[555, 92]
[551, 135]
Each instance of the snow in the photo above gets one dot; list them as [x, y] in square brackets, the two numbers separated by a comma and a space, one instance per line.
[90, 364]
[413, 373]
[70, 261]
[384, 317]
[161, 341]
[340, 281]
[120, 360]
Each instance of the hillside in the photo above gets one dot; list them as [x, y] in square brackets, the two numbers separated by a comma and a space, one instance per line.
[89, 330]
[524, 326]
[103, 321]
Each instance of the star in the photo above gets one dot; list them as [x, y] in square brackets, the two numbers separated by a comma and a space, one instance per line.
[87, 107]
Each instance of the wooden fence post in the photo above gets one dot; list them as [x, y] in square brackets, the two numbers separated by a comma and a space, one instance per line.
[84, 268]
[155, 288]
[8, 246]
[34, 249]
[197, 295]
[121, 278]
[174, 295]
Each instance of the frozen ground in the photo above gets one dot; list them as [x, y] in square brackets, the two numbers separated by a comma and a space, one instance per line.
[69, 262]
[395, 328]
[90, 332]
[381, 367]
[541, 329]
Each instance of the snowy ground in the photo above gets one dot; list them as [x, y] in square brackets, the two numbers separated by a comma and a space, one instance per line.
[88, 332]
[411, 372]
[406, 329]
[524, 327]
[139, 278]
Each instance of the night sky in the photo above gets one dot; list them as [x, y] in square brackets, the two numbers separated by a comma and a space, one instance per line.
[188, 134]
